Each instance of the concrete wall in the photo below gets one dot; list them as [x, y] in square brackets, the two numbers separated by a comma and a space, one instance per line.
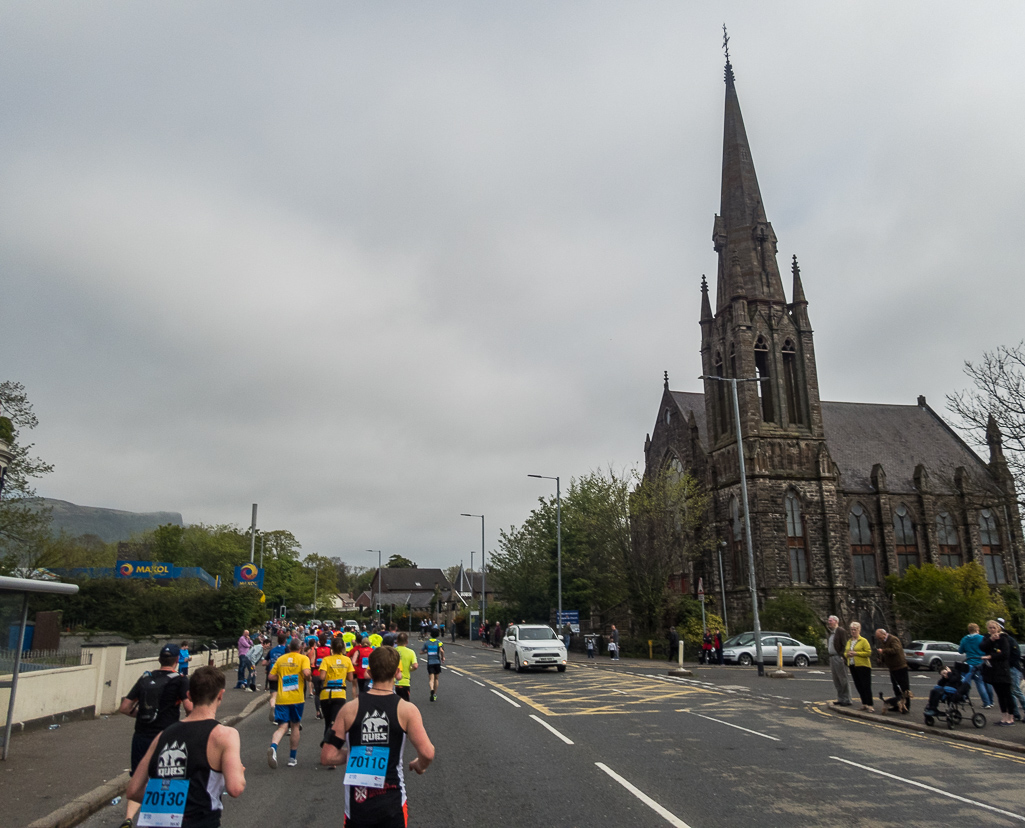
[95, 688]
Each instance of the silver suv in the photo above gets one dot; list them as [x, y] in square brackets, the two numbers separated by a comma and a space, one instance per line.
[932, 655]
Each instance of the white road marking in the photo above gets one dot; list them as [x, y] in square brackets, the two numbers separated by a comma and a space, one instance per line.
[545, 724]
[503, 696]
[738, 727]
[643, 797]
[930, 788]
[622, 693]
[481, 683]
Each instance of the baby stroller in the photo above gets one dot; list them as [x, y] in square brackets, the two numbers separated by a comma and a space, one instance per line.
[950, 700]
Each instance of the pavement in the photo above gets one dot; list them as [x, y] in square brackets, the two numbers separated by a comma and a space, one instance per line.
[57, 778]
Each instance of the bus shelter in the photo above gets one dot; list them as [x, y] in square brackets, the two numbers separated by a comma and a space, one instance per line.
[11, 589]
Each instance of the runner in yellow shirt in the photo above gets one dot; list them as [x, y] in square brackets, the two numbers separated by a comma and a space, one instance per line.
[349, 637]
[408, 663]
[375, 640]
[335, 670]
[292, 670]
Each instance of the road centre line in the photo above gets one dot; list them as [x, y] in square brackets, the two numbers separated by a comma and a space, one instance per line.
[672, 819]
[503, 696]
[545, 724]
[931, 789]
[738, 727]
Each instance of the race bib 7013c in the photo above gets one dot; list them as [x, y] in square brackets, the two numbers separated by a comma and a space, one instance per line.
[163, 804]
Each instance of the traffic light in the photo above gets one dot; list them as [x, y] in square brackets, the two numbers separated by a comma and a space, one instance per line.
[282, 613]
[378, 610]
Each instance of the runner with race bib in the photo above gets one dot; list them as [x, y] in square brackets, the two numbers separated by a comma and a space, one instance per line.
[368, 738]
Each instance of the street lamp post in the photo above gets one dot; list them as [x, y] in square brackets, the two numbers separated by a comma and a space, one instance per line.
[373, 605]
[747, 514]
[558, 539]
[483, 569]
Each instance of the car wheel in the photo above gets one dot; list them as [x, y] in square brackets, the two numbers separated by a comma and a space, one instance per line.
[979, 720]
[745, 659]
[519, 666]
[800, 660]
[505, 663]
[561, 668]
[936, 665]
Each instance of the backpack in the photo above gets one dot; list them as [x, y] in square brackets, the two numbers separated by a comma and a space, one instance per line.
[151, 688]
[1015, 659]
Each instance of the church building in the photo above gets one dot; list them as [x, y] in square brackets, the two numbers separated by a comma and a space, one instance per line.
[841, 493]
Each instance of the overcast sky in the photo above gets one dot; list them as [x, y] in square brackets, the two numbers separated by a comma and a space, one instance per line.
[370, 264]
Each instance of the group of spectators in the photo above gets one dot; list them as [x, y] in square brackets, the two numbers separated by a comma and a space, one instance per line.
[993, 663]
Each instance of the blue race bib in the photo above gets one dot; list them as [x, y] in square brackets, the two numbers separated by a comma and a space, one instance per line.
[163, 804]
[367, 766]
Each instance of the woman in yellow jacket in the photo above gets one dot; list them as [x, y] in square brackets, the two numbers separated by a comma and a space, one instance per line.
[859, 659]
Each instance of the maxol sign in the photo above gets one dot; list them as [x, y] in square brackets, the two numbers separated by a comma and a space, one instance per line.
[144, 569]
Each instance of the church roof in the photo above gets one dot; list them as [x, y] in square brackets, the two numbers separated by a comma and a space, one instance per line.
[898, 437]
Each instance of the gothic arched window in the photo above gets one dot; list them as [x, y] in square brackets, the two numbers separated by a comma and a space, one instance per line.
[795, 539]
[946, 539]
[737, 544]
[764, 386]
[795, 410]
[862, 553]
[905, 539]
[992, 551]
[722, 394]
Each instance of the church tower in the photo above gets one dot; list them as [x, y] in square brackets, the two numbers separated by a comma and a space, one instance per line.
[754, 332]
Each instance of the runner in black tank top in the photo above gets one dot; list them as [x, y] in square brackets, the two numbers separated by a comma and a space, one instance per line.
[176, 782]
[376, 730]
[368, 738]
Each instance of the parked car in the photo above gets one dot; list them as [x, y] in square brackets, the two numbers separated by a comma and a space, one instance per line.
[532, 645]
[794, 652]
[932, 655]
[352, 625]
[748, 638]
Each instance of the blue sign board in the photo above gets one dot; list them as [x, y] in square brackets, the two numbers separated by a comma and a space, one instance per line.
[249, 574]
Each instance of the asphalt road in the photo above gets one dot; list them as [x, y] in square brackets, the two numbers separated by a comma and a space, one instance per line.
[615, 745]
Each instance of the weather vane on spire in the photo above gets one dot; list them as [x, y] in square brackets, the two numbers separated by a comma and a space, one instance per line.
[726, 48]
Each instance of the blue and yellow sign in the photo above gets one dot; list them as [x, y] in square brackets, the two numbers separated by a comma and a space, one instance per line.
[146, 569]
[249, 574]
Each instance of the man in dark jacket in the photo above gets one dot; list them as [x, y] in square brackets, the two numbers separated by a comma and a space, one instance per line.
[891, 653]
[836, 645]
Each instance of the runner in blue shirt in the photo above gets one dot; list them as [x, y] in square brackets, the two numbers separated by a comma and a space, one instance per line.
[275, 653]
[435, 650]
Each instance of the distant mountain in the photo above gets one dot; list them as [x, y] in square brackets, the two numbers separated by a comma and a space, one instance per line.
[110, 525]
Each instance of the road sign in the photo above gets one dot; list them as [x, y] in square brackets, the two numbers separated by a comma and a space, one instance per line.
[701, 590]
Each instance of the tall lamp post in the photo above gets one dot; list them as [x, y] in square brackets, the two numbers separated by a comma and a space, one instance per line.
[558, 539]
[747, 513]
[483, 570]
[373, 605]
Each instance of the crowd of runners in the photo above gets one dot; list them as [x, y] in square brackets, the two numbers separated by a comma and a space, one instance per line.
[359, 681]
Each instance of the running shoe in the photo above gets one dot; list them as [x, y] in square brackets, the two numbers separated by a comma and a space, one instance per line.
[272, 757]
[293, 762]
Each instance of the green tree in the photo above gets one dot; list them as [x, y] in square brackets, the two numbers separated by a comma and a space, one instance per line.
[940, 602]
[24, 526]
[789, 612]
[667, 511]
[399, 562]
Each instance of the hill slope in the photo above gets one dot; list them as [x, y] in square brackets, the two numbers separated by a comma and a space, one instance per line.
[110, 525]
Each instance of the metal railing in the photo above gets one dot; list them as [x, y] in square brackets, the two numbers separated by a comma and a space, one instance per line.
[44, 659]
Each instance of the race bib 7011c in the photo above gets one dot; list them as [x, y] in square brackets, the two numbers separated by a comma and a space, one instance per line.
[367, 766]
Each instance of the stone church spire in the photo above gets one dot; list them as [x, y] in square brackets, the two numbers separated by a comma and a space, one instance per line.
[742, 235]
